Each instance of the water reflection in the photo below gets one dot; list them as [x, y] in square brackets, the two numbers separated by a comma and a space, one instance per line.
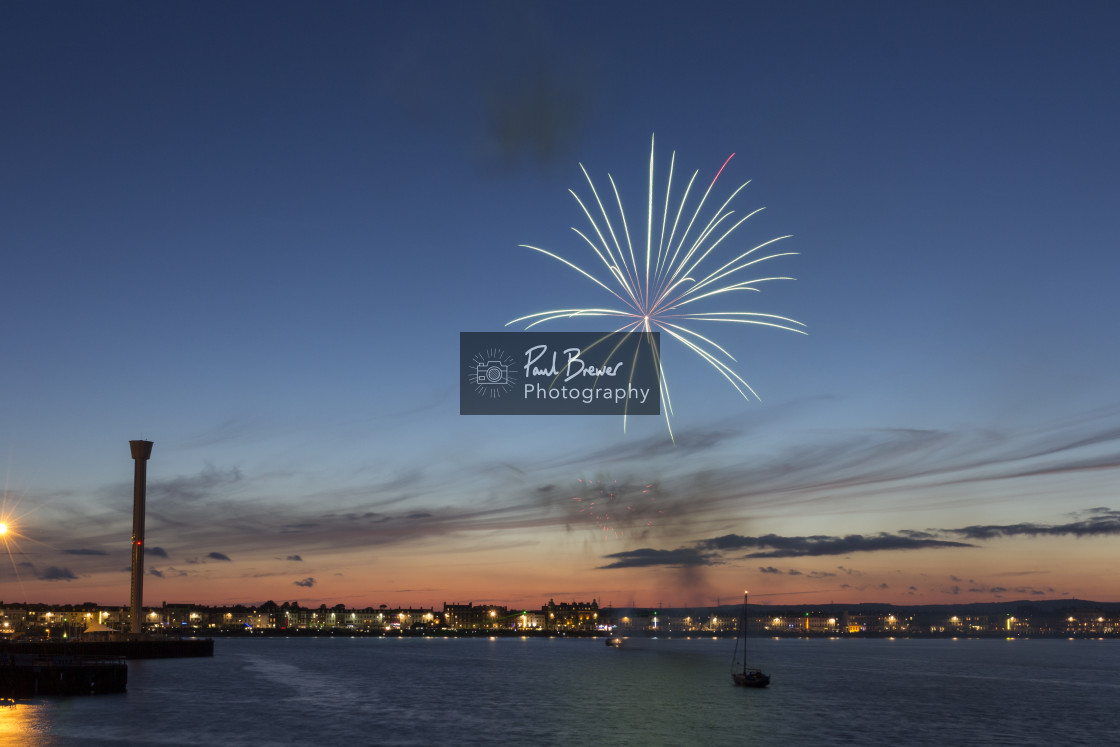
[561, 691]
[22, 722]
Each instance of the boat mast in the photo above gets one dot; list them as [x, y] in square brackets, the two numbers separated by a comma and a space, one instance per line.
[743, 624]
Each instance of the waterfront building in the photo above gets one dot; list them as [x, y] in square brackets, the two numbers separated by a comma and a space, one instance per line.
[571, 616]
[1091, 621]
[480, 617]
[530, 620]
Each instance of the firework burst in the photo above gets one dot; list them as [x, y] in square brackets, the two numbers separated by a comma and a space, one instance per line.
[679, 269]
[617, 509]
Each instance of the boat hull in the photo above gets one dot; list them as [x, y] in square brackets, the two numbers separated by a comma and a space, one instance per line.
[751, 678]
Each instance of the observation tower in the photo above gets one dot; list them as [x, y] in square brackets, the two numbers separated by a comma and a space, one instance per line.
[141, 451]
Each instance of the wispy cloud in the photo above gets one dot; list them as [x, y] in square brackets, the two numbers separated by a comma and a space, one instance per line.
[193, 487]
[793, 547]
[682, 522]
[53, 573]
[1102, 522]
[307, 583]
[646, 558]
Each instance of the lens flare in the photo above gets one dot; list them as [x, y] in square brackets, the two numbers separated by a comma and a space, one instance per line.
[12, 533]
[9, 543]
[679, 269]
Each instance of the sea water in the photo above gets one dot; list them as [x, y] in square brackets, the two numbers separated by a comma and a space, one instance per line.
[577, 691]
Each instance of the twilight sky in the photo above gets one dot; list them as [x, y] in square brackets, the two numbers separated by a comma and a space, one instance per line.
[252, 233]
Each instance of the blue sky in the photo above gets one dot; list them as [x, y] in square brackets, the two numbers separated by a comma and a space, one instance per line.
[252, 234]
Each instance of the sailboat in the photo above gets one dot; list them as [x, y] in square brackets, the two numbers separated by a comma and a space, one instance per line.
[747, 677]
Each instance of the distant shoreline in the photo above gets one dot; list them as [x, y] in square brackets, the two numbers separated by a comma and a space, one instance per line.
[638, 636]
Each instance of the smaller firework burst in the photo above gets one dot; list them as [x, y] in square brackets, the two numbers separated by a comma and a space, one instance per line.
[618, 510]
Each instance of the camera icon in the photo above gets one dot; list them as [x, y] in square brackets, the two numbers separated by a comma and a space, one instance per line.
[493, 373]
